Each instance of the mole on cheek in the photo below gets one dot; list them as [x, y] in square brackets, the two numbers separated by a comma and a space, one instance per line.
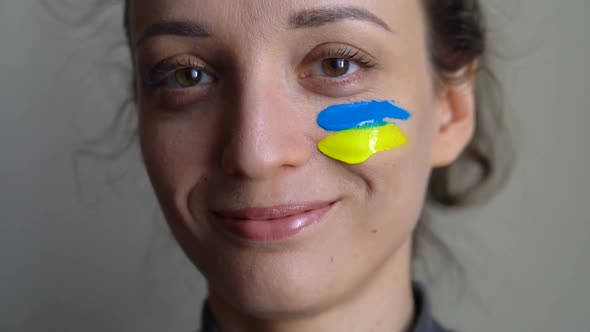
[361, 130]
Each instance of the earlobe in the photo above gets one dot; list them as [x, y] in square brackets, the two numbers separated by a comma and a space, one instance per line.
[455, 117]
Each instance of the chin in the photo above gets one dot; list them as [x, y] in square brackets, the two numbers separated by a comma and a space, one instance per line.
[277, 285]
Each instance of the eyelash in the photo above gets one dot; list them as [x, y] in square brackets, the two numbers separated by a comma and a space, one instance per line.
[342, 52]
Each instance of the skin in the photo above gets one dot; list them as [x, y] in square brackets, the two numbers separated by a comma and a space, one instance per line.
[249, 139]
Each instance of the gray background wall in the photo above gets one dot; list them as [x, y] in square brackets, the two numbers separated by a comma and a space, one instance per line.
[106, 263]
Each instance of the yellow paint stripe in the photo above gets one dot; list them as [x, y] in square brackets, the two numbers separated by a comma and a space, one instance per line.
[355, 146]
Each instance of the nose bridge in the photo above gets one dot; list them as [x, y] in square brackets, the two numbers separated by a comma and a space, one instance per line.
[266, 135]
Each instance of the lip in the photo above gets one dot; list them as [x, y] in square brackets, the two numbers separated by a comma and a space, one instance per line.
[271, 224]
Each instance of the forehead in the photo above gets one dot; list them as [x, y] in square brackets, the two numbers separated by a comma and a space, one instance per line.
[257, 17]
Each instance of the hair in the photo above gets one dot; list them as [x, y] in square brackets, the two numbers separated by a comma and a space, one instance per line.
[456, 39]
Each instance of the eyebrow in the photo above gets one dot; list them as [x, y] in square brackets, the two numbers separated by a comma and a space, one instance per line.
[307, 18]
[174, 28]
[312, 18]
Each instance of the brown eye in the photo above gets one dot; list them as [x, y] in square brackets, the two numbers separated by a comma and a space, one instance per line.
[335, 67]
[182, 78]
[188, 77]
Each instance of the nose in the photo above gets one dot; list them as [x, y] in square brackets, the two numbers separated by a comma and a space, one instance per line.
[268, 133]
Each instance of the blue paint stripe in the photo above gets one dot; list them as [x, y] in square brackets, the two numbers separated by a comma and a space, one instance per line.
[362, 114]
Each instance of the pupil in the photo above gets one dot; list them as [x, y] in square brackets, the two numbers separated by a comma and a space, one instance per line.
[336, 67]
[188, 77]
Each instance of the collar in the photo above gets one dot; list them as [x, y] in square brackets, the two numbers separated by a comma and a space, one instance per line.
[423, 320]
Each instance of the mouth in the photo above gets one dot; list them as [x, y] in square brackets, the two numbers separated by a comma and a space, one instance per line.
[271, 224]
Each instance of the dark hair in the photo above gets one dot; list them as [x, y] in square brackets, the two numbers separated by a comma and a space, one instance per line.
[457, 38]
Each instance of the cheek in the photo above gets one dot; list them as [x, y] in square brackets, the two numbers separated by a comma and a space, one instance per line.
[398, 187]
[407, 182]
[397, 180]
[360, 130]
[176, 150]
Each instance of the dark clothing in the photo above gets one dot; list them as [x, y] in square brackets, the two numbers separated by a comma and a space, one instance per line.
[423, 321]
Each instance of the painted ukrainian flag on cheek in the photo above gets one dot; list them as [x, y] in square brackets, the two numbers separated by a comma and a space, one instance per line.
[361, 130]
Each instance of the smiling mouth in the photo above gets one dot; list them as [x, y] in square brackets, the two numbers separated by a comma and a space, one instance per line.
[271, 224]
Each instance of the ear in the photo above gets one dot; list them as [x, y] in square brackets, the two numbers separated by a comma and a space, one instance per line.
[454, 116]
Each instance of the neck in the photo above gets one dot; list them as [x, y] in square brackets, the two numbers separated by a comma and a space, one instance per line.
[384, 304]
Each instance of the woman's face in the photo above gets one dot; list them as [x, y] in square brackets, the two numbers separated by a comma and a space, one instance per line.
[228, 95]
